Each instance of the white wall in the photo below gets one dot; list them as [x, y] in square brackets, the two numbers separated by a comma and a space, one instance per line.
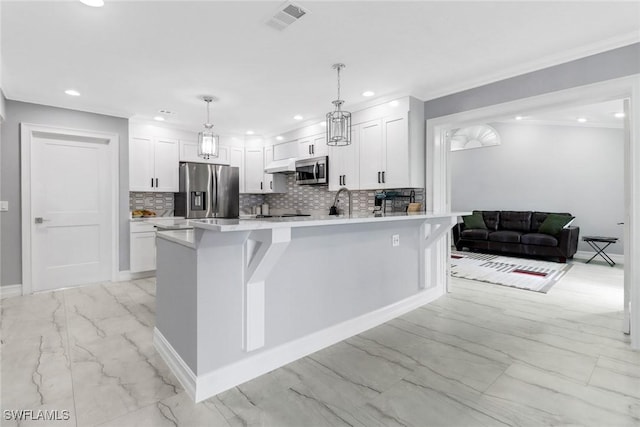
[547, 168]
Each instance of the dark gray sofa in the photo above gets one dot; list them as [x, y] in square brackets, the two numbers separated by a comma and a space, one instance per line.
[516, 232]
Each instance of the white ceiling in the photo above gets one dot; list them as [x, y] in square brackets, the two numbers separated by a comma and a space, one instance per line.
[134, 58]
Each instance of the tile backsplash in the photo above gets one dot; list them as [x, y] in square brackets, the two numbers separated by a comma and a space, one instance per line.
[308, 198]
[157, 202]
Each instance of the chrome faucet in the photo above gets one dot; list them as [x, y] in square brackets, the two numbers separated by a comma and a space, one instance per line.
[334, 208]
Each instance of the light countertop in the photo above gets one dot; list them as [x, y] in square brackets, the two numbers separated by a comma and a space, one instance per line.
[228, 225]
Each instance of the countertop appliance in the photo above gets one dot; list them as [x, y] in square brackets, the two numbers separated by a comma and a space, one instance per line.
[208, 191]
[313, 171]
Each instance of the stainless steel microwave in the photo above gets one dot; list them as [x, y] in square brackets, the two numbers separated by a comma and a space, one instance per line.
[313, 171]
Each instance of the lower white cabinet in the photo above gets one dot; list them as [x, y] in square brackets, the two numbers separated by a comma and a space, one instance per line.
[142, 246]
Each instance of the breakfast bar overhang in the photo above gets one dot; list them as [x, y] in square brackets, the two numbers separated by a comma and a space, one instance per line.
[239, 298]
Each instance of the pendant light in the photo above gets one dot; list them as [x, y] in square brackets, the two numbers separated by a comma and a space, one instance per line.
[207, 140]
[338, 121]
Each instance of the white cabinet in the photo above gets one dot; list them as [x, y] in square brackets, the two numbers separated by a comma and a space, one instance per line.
[285, 150]
[273, 182]
[236, 158]
[343, 164]
[256, 181]
[153, 164]
[371, 154]
[189, 153]
[313, 146]
[142, 247]
[389, 157]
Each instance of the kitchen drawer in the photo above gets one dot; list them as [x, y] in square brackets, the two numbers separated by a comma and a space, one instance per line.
[142, 227]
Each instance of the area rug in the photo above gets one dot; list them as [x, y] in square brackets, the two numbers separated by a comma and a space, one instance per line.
[532, 275]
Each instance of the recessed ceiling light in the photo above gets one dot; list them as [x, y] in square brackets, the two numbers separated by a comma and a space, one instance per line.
[368, 93]
[618, 115]
[279, 138]
[72, 92]
[582, 120]
[298, 117]
[159, 118]
[323, 124]
[394, 103]
[93, 3]
[519, 117]
[249, 132]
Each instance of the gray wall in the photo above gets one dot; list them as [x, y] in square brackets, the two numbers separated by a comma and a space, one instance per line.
[624, 61]
[18, 112]
[547, 168]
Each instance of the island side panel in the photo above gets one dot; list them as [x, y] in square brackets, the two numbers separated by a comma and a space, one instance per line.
[328, 274]
[176, 296]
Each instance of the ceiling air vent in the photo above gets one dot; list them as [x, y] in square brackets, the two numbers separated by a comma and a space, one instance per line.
[287, 14]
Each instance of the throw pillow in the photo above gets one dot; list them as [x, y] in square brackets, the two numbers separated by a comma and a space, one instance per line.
[554, 224]
[474, 221]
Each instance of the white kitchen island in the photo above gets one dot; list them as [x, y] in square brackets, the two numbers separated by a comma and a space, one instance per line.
[239, 298]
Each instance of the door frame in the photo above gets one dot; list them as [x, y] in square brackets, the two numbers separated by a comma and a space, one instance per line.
[438, 170]
[27, 132]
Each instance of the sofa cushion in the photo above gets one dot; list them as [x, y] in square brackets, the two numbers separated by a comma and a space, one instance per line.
[554, 223]
[505, 236]
[491, 219]
[474, 220]
[538, 239]
[538, 218]
[515, 220]
[475, 234]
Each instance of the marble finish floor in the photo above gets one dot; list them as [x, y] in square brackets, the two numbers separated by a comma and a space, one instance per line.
[483, 355]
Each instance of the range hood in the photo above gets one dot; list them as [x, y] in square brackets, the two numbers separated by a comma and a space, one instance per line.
[281, 166]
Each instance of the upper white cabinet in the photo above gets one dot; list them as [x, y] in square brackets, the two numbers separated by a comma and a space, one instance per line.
[392, 148]
[153, 164]
[314, 146]
[343, 164]
[285, 150]
[236, 158]
[189, 153]
[256, 180]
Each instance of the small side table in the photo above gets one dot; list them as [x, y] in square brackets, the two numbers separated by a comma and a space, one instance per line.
[593, 242]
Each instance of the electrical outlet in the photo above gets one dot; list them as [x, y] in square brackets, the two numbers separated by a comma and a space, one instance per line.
[395, 240]
[4, 206]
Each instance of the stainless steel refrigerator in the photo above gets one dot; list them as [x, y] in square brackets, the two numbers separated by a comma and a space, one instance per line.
[208, 191]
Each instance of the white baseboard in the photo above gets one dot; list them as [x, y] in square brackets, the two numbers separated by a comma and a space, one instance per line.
[10, 291]
[179, 368]
[585, 255]
[124, 276]
[211, 383]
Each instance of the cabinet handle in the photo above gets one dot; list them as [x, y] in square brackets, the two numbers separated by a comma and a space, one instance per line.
[151, 182]
[271, 185]
[156, 182]
[344, 179]
[313, 149]
[309, 149]
[379, 178]
[383, 181]
[340, 180]
[261, 185]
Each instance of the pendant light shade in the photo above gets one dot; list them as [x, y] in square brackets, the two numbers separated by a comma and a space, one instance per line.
[207, 140]
[338, 121]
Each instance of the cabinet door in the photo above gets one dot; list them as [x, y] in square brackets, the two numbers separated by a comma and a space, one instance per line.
[319, 146]
[304, 148]
[166, 157]
[253, 170]
[140, 164]
[236, 158]
[189, 153]
[143, 251]
[396, 144]
[371, 153]
[286, 150]
[343, 164]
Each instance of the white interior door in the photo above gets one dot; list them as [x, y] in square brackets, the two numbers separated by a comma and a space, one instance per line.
[70, 211]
